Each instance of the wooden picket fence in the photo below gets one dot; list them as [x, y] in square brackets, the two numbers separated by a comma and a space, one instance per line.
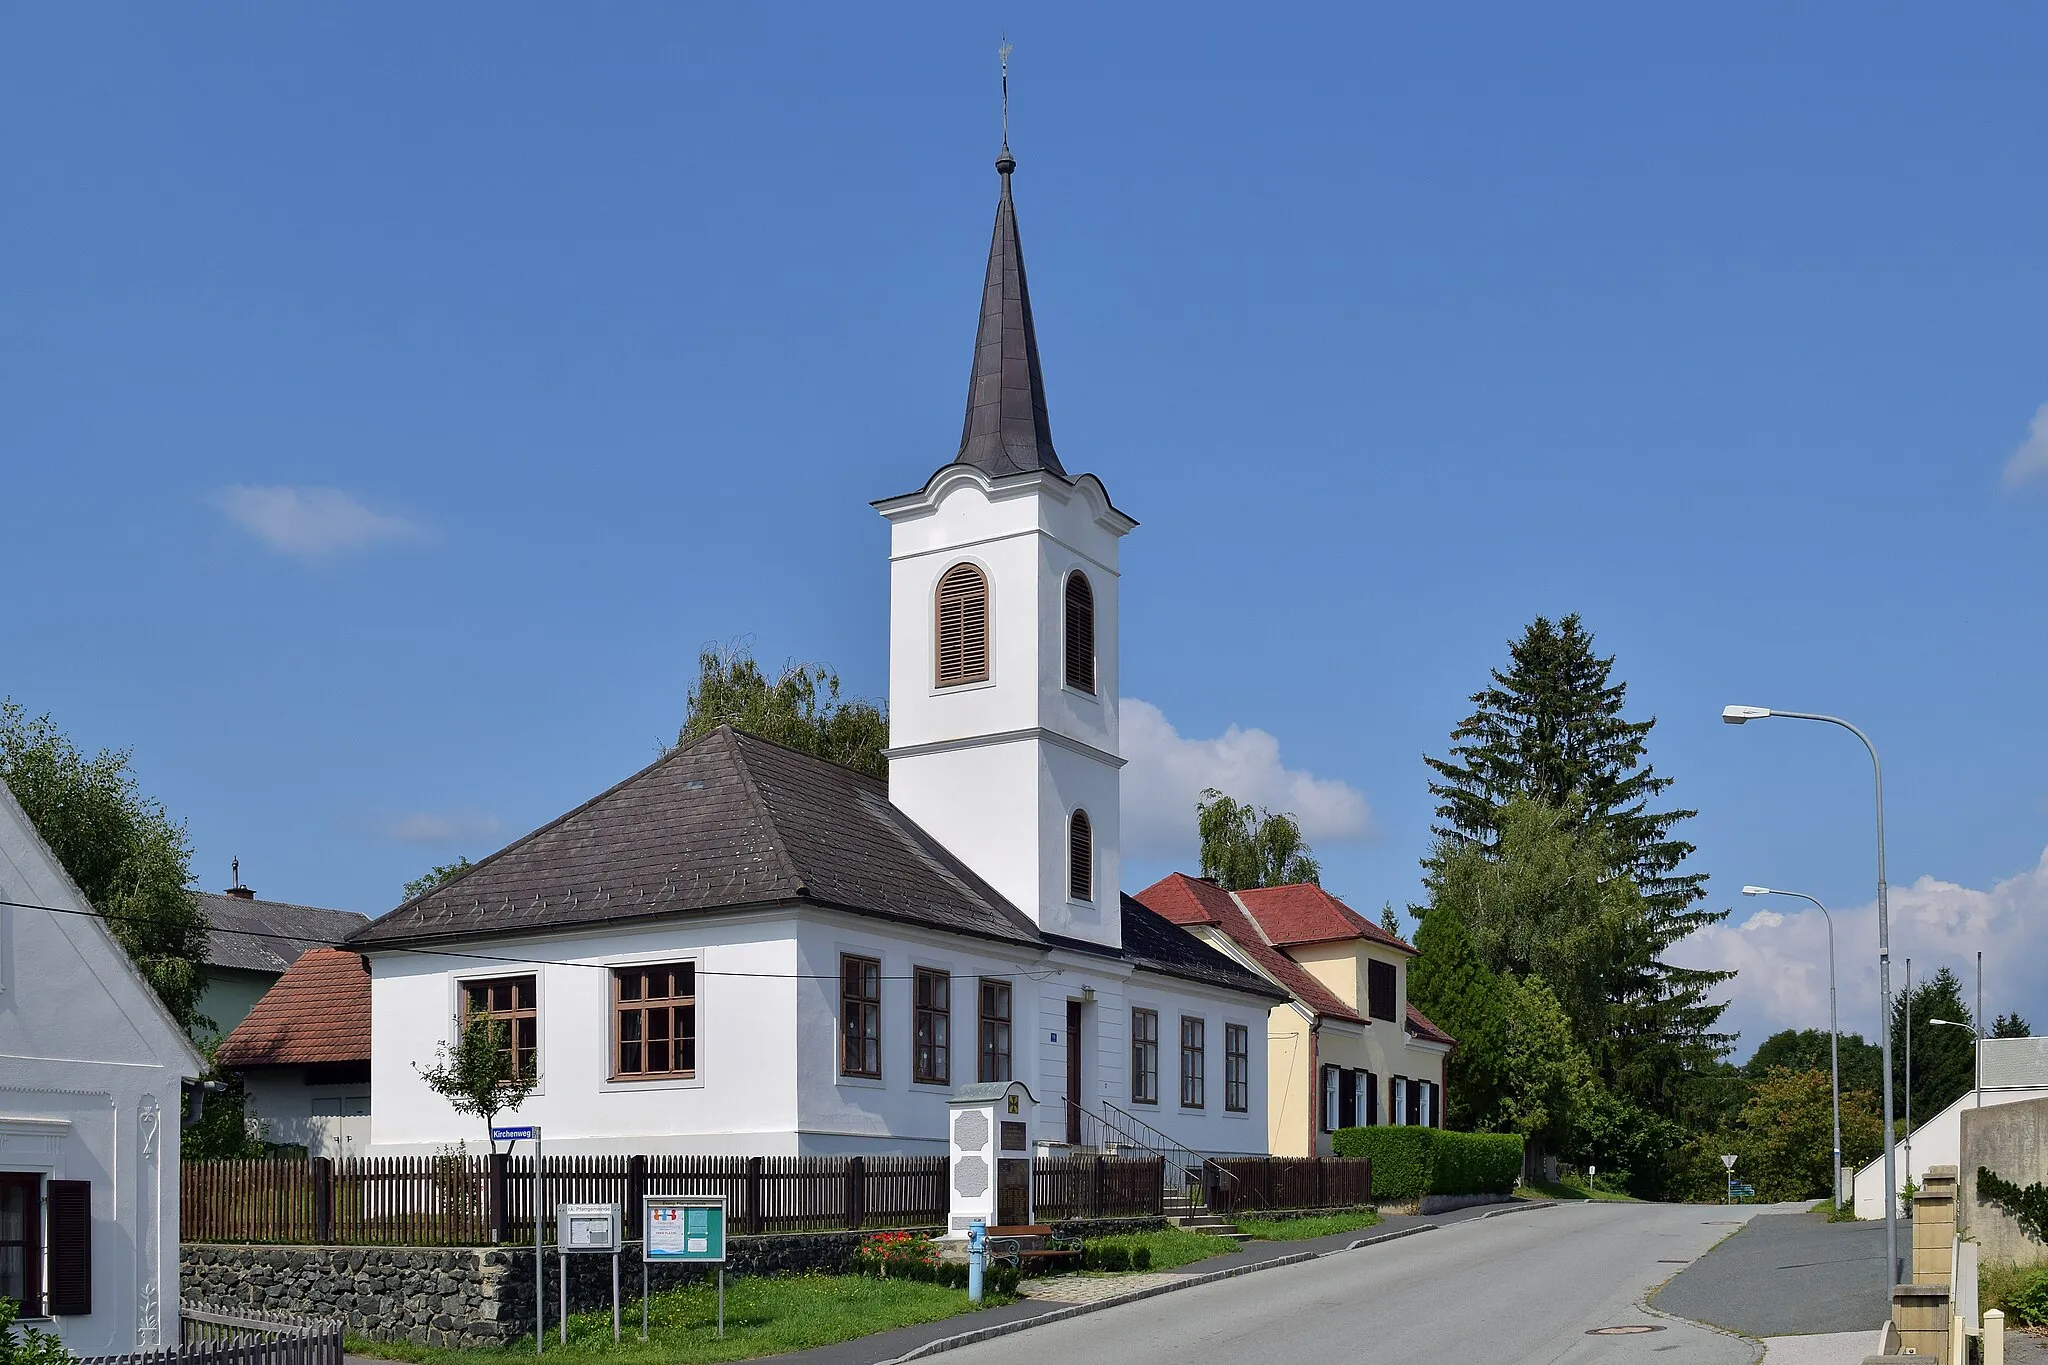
[1097, 1186]
[238, 1336]
[1292, 1182]
[461, 1200]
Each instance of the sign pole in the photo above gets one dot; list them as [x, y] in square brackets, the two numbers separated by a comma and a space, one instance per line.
[615, 1298]
[540, 1288]
[721, 1300]
[562, 1287]
[643, 1281]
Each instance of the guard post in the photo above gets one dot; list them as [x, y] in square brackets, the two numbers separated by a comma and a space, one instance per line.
[588, 1229]
[685, 1228]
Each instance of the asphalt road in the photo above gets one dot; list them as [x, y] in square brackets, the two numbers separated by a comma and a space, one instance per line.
[1524, 1288]
[1787, 1273]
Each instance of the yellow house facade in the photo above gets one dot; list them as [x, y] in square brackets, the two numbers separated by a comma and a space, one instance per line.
[1346, 1049]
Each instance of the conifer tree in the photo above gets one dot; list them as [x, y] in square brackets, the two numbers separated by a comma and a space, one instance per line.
[1944, 1067]
[1460, 995]
[1551, 729]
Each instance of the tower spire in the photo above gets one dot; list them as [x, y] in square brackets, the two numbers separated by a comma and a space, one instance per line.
[1007, 430]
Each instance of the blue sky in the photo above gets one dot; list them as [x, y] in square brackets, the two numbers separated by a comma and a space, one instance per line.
[394, 400]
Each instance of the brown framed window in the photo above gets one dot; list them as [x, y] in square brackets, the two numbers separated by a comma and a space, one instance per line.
[995, 1031]
[1145, 1056]
[1379, 989]
[1080, 632]
[654, 1022]
[1194, 1061]
[860, 1016]
[21, 1241]
[1080, 857]
[1237, 1068]
[513, 1001]
[932, 1027]
[961, 618]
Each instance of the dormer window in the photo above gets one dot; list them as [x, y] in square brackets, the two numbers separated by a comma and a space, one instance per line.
[1080, 632]
[962, 617]
[1080, 857]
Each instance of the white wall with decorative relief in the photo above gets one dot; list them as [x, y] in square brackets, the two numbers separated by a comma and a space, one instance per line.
[91, 1076]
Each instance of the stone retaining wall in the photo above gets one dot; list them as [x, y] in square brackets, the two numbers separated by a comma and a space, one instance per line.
[463, 1296]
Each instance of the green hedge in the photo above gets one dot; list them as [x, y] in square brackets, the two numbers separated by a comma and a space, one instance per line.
[1408, 1163]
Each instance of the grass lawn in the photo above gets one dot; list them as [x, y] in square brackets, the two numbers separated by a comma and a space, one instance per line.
[1170, 1246]
[1545, 1189]
[764, 1316]
[1301, 1229]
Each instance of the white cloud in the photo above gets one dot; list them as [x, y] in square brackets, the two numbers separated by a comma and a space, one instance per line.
[1166, 773]
[2031, 458]
[440, 827]
[1782, 960]
[313, 522]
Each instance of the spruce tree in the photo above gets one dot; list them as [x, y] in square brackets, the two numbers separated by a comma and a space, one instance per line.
[1944, 1068]
[1460, 995]
[1551, 729]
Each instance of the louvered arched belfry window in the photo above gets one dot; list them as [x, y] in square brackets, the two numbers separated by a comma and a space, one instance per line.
[1080, 857]
[1080, 632]
[962, 621]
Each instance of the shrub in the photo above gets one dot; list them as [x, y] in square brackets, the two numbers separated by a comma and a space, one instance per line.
[1141, 1258]
[897, 1255]
[1408, 1163]
[1002, 1279]
[32, 1347]
[2021, 1291]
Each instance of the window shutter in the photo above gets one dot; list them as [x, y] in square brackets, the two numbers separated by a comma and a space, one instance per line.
[71, 1248]
[1080, 857]
[1372, 1099]
[1347, 1099]
[1379, 989]
[1080, 652]
[962, 626]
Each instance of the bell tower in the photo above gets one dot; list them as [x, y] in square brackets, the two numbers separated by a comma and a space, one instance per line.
[1003, 636]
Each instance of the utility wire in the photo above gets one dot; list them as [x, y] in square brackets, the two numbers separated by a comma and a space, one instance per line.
[491, 957]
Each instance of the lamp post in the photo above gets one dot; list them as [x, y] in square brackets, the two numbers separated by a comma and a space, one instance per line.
[1976, 1058]
[1834, 1027]
[1742, 715]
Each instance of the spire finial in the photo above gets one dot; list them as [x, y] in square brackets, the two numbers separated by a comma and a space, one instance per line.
[1005, 163]
[235, 870]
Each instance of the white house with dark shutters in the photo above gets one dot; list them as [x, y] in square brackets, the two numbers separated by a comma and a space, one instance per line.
[745, 950]
[92, 1071]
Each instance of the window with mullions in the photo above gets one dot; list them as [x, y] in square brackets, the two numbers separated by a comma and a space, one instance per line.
[514, 1002]
[1145, 1056]
[1194, 1062]
[932, 1027]
[654, 1016]
[860, 1017]
[21, 1249]
[995, 1031]
[1237, 1068]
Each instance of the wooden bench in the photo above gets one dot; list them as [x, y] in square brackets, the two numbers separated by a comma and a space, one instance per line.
[1006, 1247]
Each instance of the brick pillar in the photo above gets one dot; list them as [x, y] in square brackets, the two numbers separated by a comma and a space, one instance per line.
[1934, 1227]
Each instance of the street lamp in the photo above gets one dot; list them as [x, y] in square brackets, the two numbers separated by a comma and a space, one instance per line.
[1834, 1028]
[1742, 715]
[1976, 1057]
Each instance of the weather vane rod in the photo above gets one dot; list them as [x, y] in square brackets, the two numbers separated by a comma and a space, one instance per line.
[1004, 53]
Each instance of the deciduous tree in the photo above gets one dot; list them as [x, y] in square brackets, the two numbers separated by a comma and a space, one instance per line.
[128, 857]
[799, 708]
[1451, 984]
[477, 1075]
[434, 876]
[1244, 846]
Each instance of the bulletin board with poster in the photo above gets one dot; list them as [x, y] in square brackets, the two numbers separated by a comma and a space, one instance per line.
[686, 1227]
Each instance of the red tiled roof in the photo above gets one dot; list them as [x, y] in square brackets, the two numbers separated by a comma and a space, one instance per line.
[1189, 900]
[1419, 1025]
[1305, 913]
[318, 1011]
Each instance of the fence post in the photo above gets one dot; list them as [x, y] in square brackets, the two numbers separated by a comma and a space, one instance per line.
[636, 1195]
[323, 1200]
[1321, 1183]
[501, 1196]
[754, 1218]
[856, 1190]
[1095, 1192]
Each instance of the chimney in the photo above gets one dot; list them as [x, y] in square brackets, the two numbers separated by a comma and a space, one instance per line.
[238, 891]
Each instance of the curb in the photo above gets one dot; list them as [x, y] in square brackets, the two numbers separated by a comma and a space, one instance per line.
[1519, 1208]
[1383, 1237]
[1076, 1310]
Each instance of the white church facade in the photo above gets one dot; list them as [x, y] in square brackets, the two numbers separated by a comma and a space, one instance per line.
[749, 951]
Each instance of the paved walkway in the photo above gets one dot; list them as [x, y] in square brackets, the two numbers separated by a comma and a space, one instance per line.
[1786, 1274]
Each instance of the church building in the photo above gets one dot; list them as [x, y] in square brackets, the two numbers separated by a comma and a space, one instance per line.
[745, 950]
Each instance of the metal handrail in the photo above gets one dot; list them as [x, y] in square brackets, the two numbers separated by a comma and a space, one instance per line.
[1131, 1131]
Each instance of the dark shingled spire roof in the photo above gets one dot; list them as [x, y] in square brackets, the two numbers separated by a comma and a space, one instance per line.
[1007, 431]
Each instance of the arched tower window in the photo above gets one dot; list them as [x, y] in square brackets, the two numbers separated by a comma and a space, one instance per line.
[1080, 857]
[1080, 632]
[962, 617]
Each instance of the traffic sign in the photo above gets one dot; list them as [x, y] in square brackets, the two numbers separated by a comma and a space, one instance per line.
[527, 1134]
[1742, 1191]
